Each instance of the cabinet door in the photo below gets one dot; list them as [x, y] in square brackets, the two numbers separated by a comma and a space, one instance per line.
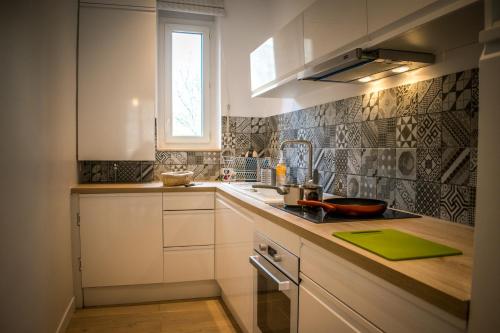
[116, 83]
[384, 12]
[320, 312]
[188, 228]
[188, 263]
[332, 24]
[279, 56]
[121, 239]
[132, 3]
[234, 228]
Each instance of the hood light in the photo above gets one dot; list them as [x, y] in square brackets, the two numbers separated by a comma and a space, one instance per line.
[365, 79]
[401, 69]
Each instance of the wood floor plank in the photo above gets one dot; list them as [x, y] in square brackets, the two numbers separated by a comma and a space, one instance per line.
[191, 316]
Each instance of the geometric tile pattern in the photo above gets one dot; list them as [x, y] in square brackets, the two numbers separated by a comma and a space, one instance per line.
[386, 190]
[456, 129]
[369, 136]
[429, 164]
[430, 95]
[370, 106]
[429, 130]
[455, 166]
[353, 161]
[406, 132]
[368, 187]
[354, 135]
[386, 162]
[369, 158]
[353, 186]
[455, 203]
[428, 198]
[406, 99]
[386, 133]
[387, 103]
[406, 163]
[457, 91]
[405, 195]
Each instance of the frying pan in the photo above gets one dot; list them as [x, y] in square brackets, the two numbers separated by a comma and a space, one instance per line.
[349, 206]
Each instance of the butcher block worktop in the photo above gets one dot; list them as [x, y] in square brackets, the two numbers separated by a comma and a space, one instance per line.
[444, 282]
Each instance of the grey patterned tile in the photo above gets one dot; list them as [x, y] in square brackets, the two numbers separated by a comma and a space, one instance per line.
[473, 167]
[406, 132]
[341, 136]
[457, 91]
[370, 104]
[455, 166]
[368, 187]
[369, 134]
[429, 164]
[171, 157]
[194, 157]
[259, 142]
[353, 109]
[386, 162]
[354, 135]
[340, 185]
[405, 195]
[354, 161]
[228, 141]
[474, 129]
[101, 173]
[341, 156]
[243, 125]
[327, 180]
[147, 172]
[211, 157]
[369, 164]
[430, 95]
[407, 100]
[429, 130]
[228, 124]
[386, 190]
[204, 171]
[386, 133]
[353, 186]
[455, 203]
[325, 161]
[406, 163]
[129, 172]
[272, 123]
[241, 141]
[258, 125]
[328, 114]
[428, 198]
[84, 172]
[387, 103]
[455, 129]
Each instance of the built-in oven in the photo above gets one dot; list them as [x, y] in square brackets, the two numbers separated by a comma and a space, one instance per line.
[276, 287]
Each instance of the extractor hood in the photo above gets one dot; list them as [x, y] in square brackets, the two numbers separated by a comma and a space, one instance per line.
[361, 66]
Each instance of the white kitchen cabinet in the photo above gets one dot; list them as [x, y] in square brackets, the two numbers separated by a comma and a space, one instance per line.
[332, 24]
[188, 228]
[121, 239]
[234, 228]
[192, 263]
[188, 201]
[116, 83]
[381, 13]
[279, 56]
[388, 307]
[320, 312]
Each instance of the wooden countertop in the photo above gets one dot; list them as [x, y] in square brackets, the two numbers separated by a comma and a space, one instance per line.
[444, 282]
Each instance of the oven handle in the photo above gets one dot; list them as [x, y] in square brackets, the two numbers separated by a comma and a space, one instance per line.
[282, 285]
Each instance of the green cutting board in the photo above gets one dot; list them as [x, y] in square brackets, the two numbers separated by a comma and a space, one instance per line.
[396, 245]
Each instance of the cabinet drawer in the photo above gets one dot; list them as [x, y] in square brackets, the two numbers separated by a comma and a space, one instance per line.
[188, 201]
[181, 264]
[185, 228]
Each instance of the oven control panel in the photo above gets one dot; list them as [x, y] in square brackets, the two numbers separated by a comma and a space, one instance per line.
[280, 257]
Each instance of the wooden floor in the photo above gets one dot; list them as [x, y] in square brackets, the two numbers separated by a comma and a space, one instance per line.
[207, 315]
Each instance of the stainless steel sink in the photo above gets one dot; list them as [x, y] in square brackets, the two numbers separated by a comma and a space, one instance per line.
[265, 195]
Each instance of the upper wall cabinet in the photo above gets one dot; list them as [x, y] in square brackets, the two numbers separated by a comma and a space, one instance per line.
[384, 12]
[116, 82]
[332, 24]
[279, 56]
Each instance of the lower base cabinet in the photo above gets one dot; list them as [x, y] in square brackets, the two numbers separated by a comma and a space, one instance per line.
[321, 312]
[193, 263]
[234, 227]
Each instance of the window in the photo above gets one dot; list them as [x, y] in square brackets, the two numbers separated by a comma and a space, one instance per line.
[187, 116]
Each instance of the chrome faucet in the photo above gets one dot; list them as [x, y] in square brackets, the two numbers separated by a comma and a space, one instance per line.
[310, 148]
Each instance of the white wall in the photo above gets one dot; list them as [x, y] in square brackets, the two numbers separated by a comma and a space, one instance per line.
[38, 154]
[249, 23]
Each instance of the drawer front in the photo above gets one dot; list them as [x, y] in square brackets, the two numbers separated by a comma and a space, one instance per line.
[183, 264]
[362, 291]
[186, 228]
[188, 201]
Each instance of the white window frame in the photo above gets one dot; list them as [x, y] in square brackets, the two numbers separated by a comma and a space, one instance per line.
[210, 140]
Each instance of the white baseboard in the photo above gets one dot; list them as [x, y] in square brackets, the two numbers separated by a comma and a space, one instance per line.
[68, 313]
[149, 293]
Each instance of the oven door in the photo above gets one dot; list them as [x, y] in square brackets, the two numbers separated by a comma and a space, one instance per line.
[275, 299]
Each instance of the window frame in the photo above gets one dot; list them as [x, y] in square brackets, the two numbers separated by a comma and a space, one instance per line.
[165, 140]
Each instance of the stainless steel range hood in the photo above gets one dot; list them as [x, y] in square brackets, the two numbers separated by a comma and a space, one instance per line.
[361, 66]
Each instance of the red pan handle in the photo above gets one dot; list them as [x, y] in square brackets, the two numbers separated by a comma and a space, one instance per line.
[312, 203]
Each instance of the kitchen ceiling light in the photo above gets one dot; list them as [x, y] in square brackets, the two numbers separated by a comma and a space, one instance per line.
[365, 79]
[401, 69]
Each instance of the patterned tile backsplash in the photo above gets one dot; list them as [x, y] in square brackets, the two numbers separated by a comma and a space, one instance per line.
[414, 146]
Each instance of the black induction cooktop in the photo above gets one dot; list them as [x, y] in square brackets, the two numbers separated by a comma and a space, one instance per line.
[318, 215]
